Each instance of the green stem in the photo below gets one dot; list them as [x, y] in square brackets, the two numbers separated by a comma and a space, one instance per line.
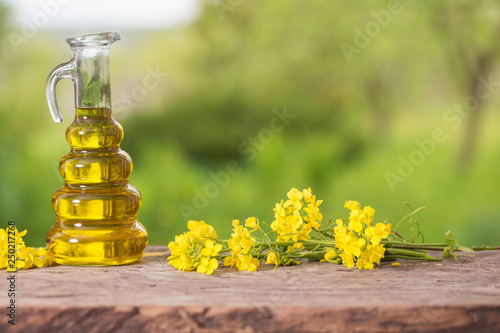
[407, 253]
[440, 245]
[409, 215]
[315, 255]
[428, 248]
[393, 257]
[412, 249]
[485, 248]
[399, 236]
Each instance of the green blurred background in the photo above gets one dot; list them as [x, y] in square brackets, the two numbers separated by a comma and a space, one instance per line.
[366, 82]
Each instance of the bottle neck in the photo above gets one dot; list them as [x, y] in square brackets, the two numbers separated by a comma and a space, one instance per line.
[92, 86]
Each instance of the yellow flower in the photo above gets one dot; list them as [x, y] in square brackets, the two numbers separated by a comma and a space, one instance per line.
[314, 217]
[354, 245]
[43, 257]
[241, 244]
[340, 232]
[252, 222]
[355, 225]
[297, 217]
[376, 252]
[3, 262]
[330, 255]
[242, 262]
[41, 252]
[207, 265]
[359, 242]
[352, 205]
[294, 220]
[195, 248]
[347, 259]
[279, 211]
[287, 227]
[295, 195]
[369, 256]
[378, 233]
[181, 252]
[363, 262]
[29, 260]
[201, 230]
[355, 220]
[272, 258]
[340, 223]
[25, 257]
[241, 241]
[3, 238]
[210, 249]
[230, 261]
[307, 195]
[247, 263]
[368, 214]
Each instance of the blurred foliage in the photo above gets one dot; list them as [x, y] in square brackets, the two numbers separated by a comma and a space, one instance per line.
[228, 74]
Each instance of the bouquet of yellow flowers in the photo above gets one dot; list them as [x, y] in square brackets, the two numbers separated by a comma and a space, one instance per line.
[297, 232]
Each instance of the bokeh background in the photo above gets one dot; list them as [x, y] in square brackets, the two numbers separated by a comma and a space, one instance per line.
[365, 85]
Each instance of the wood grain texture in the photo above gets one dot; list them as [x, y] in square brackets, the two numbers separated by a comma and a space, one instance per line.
[151, 296]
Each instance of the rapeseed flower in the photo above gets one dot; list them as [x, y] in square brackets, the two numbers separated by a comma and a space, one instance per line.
[331, 255]
[359, 242]
[25, 257]
[295, 218]
[241, 244]
[377, 233]
[43, 257]
[252, 222]
[195, 249]
[242, 262]
[272, 258]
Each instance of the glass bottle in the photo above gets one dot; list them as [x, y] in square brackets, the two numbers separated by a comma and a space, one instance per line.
[97, 207]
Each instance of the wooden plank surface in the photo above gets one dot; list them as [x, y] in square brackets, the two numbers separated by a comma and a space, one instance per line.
[453, 296]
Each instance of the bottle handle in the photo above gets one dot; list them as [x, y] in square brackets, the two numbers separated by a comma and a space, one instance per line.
[62, 71]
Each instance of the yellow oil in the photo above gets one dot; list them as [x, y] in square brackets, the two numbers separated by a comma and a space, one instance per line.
[97, 207]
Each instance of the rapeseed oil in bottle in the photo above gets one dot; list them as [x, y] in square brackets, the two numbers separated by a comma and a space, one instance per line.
[96, 209]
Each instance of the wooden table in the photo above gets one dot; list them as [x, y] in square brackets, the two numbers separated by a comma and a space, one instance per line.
[151, 296]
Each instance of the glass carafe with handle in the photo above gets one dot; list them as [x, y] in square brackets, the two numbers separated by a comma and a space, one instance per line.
[96, 209]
